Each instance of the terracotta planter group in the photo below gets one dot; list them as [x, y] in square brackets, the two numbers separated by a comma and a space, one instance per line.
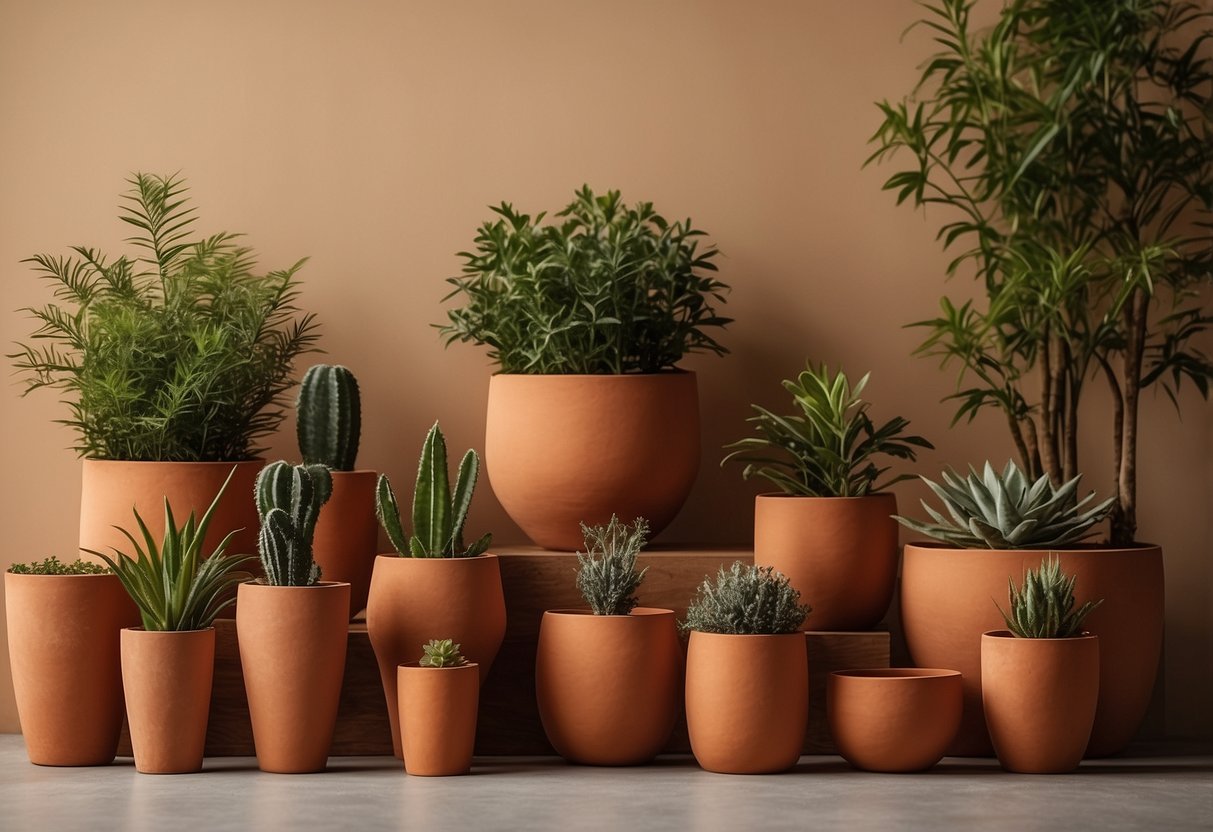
[346, 538]
[437, 714]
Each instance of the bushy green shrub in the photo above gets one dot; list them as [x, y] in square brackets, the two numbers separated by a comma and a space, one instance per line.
[54, 566]
[746, 600]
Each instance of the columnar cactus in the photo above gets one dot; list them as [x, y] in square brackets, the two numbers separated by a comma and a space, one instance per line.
[329, 417]
[289, 498]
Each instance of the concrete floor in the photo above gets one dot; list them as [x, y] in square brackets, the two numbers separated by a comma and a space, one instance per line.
[1167, 791]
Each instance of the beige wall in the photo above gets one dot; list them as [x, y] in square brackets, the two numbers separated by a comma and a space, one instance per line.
[372, 135]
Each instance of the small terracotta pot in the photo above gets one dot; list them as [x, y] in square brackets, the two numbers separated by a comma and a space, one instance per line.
[1040, 697]
[893, 719]
[609, 687]
[292, 651]
[840, 552]
[63, 647]
[167, 677]
[747, 699]
[413, 600]
[561, 450]
[438, 718]
[347, 535]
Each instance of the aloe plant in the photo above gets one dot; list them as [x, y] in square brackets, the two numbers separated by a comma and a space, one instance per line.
[607, 575]
[1043, 607]
[441, 653]
[746, 600]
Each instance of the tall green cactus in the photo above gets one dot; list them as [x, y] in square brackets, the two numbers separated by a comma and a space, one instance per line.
[329, 417]
[289, 498]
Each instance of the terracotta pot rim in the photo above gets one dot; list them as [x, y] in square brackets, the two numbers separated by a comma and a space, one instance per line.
[356, 471]
[166, 632]
[397, 556]
[317, 585]
[1008, 635]
[779, 495]
[417, 666]
[897, 674]
[637, 612]
[86, 575]
[1094, 548]
[674, 373]
[211, 463]
[800, 633]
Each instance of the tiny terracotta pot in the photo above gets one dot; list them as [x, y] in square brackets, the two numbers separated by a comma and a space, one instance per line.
[1040, 696]
[747, 700]
[893, 719]
[438, 718]
[167, 677]
[292, 651]
[840, 552]
[63, 647]
[347, 535]
[413, 600]
[609, 687]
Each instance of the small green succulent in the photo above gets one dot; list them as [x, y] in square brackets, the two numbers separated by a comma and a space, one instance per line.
[746, 600]
[607, 576]
[441, 653]
[54, 566]
[1043, 607]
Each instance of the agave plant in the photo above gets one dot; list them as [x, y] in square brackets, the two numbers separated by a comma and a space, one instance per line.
[441, 653]
[1043, 607]
[607, 575]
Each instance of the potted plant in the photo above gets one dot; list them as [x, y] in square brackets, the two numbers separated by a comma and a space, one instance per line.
[747, 678]
[63, 626]
[608, 679]
[292, 627]
[831, 528]
[433, 581]
[1040, 676]
[587, 317]
[438, 700]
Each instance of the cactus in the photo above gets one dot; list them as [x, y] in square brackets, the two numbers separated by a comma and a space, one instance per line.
[289, 498]
[607, 576]
[1044, 606]
[329, 417]
[746, 600]
[441, 653]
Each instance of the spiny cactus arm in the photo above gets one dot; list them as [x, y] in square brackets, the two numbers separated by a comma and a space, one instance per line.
[389, 515]
[274, 486]
[432, 498]
[465, 484]
[275, 542]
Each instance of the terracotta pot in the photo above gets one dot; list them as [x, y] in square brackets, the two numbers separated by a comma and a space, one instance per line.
[747, 699]
[893, 719]
[947, 602]
[167, 677]
[1040, 697]
[347, 535]
[67, 676]
[565, 449]
[413, 600]
[609, 687]
[292, 651]
[840, 552]
[437, 708]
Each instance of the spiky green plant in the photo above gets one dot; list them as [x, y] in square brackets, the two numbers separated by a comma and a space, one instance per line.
[441, 653]
[289, 498]
[1008, 511]
[607, 575]
[329, 417]
[54, 566]
[746, 600]
[438, 515]
[1044, 606]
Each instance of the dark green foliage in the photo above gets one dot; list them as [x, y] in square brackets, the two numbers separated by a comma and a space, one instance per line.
[607, 576]
[54, 566]
[1044, 606]
[329, 417]
[746, 600]
[289, 498]
[441, 653]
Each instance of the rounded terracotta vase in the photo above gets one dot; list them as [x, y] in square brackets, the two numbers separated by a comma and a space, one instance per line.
[947, 602]
[747, 700]
[1040, 696]
[413, 600]
[347, 535]
[292, 652]
[609, 687]
[63, 648]
[167, 678]
[893, 719]
[840, 552]
[438, 708]
[561, 450]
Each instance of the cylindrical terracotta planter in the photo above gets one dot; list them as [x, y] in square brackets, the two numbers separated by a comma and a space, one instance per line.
[167, 677]
[947, 602]
[840, 552]
[561, 450]
[438, 708]
[747, 699]
[63, 648]
[893, 719]
[292, 651]
[347, 535]
[1040, 696]
[609, 687]
[413, 600]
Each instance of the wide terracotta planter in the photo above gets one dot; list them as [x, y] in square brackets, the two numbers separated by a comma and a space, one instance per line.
[167, 678]
[347, 535]
[63, 648]
[894, 719]
[292, 651]
[437, 708]
[413, 600]
[947, 602]
[747, 700]
[1040, 696]
[840, 552]
[561, 450]
[609, 687]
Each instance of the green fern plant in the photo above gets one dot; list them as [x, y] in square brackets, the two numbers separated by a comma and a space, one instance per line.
[607, 575]
[54, 566]
[1043, 607]
[441, 653]
[746, 600]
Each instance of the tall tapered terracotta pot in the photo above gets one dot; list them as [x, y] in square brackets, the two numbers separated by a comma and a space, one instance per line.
[561, 450]
[346, 539]
[438, 708]
[63, 648]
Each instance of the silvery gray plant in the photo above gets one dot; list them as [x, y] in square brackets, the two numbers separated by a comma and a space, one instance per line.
[607, 575]
[746, 600]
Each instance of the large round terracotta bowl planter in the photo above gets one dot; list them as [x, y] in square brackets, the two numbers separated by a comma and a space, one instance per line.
[438, 707]
[747, 700]
[609, 687]
[947, 602]
[346, 539]
[63, 648]
[840, 552]
[893, 719]
[1040, 697]
[561, 450]
[292, 652]
[413, 600]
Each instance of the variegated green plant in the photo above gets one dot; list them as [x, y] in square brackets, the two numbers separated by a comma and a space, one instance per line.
[441, 653]
[1043, 607]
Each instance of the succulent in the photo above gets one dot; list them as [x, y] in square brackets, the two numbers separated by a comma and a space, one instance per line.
[54, 566]
[289, 498]
[746, 600]
[329, 417]
[1044, 606]
[607, 576]
[438, 516]
[441, 653]
[1008, 512]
